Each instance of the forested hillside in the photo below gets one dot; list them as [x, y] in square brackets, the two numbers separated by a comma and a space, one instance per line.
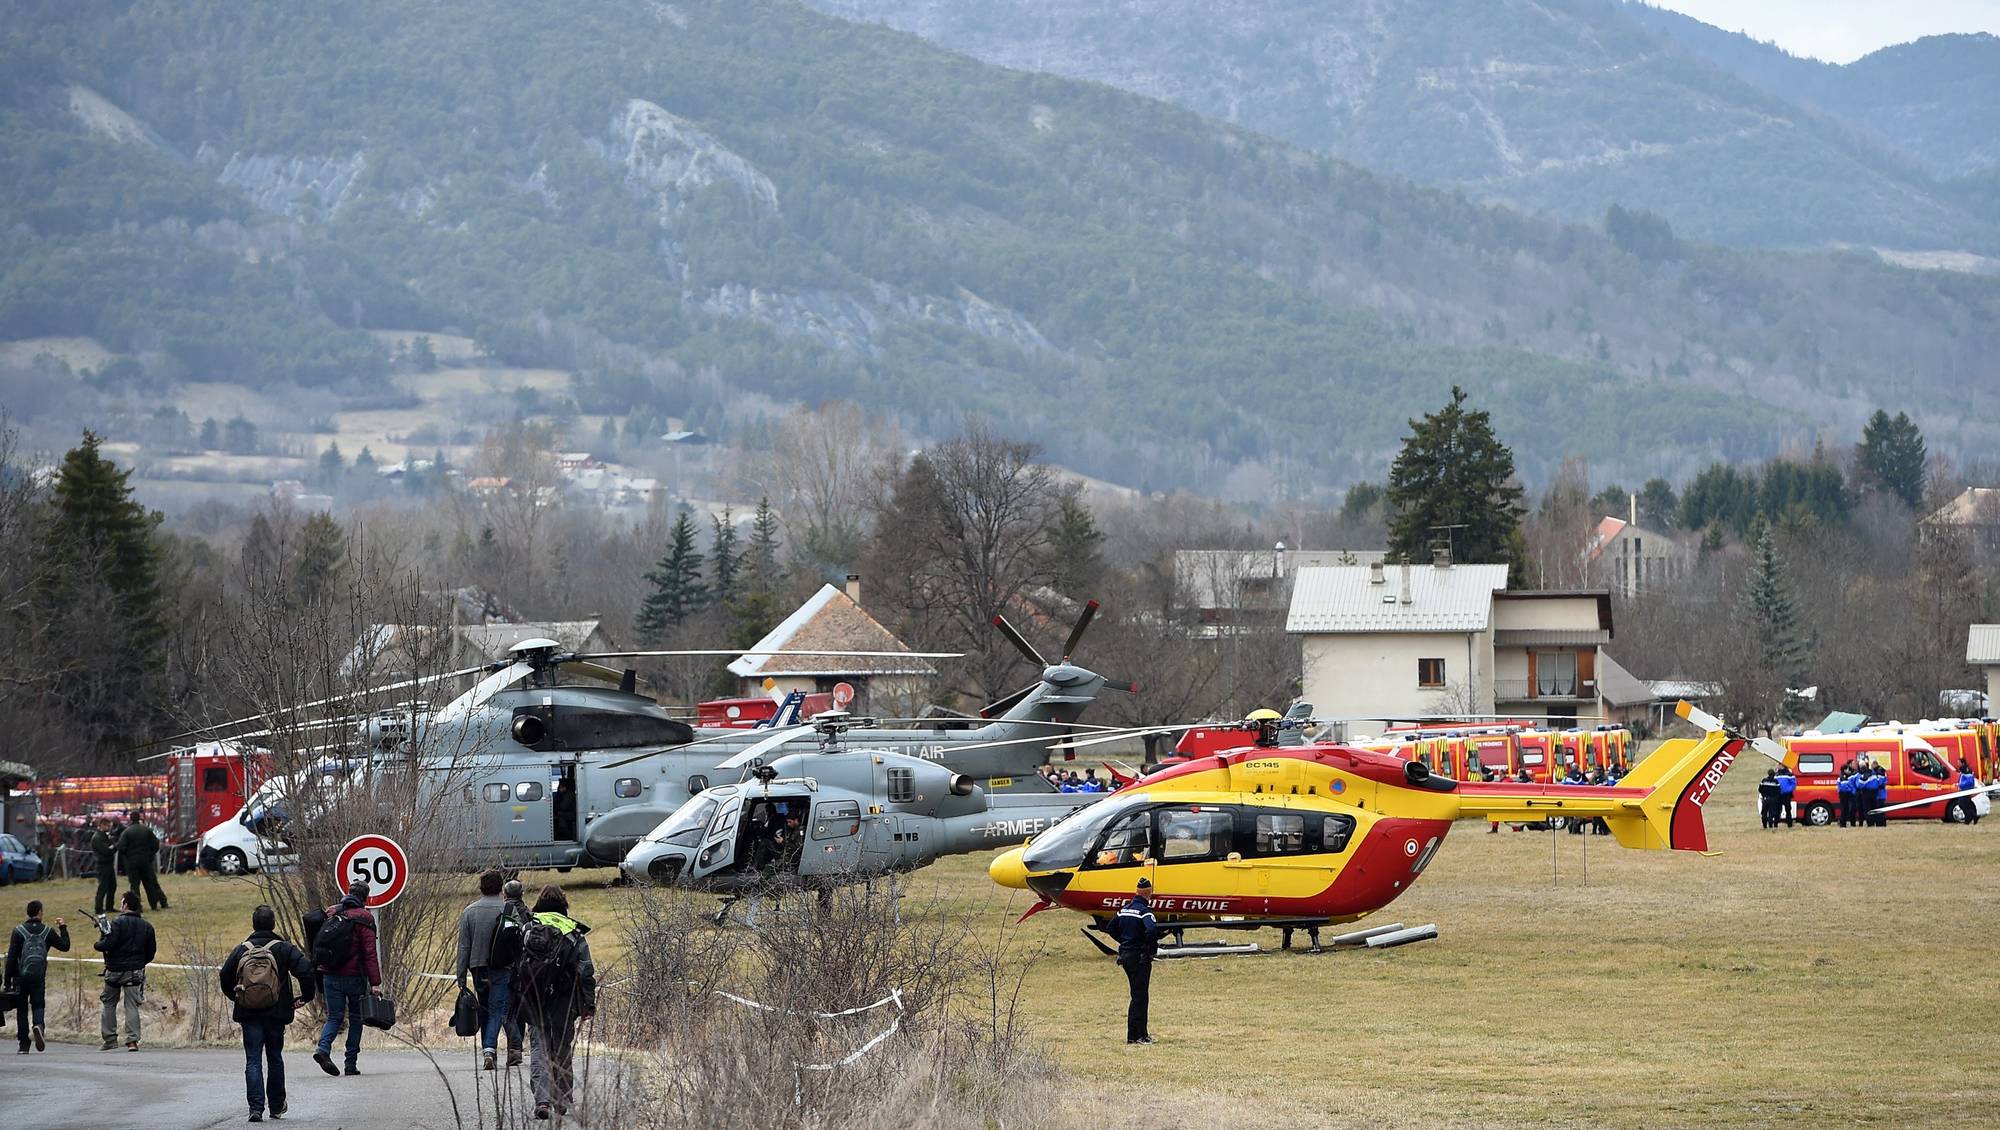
[1937, 99]
[1567, 106]
[684, 200]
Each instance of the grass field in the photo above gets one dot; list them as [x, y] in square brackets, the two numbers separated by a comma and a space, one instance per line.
[1810, 976]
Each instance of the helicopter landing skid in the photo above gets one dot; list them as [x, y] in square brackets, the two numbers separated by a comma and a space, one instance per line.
[1374, 937]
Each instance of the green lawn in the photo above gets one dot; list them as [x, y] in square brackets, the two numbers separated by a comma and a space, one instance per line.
[1800, 976]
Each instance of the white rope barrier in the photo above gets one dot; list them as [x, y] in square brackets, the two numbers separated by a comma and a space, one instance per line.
[895, 997]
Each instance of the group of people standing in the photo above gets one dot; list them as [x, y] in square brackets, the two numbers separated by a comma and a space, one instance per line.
[135, 847]
[528, 972]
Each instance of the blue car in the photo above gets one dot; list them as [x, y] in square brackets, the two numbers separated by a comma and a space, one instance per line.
[19, 863]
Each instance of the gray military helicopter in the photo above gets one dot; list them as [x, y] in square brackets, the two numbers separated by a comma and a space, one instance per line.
[814, 821]
[547, 772]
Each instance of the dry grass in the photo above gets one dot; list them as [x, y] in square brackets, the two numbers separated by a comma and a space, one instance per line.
[1800, 977]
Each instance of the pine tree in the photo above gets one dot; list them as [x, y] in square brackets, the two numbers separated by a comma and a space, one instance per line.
[1891, 456]
[322, 560]
[1075, 548]
[100, 589]
[211, 435]
[725, 560]
[757, 612]
[1452, 471]
[678, 591]
[1772, 615]
[1658, 505]
[332, 465]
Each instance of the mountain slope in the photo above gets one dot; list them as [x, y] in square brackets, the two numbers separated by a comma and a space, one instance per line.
[689, 201]
[1936, 99]
[1560, 105]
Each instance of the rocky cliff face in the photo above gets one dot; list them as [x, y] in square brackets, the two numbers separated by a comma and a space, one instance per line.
[301, 187]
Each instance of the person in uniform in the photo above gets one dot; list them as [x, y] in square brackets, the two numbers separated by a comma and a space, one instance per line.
[1138, 940]
[1878, 795]
[1848, 806]
[1767, 799]
[1787, 786]
[1966, 780]
[104, 847]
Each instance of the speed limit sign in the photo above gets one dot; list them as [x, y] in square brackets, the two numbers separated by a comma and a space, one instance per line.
[377, 861]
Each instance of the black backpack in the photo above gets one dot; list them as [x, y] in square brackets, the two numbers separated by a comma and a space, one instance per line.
[545, 972]
[506, 947]
[333, 946]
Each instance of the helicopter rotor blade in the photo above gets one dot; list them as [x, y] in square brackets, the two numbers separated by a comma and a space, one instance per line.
[722, 737]
[1137, 732]
[586, 656]
[1083, 620]
[483, 690]
[1019, 641]
[345, 697]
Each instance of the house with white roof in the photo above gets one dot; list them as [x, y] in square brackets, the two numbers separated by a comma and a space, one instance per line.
[1982, 650]
[833, 619]
[1379, 642]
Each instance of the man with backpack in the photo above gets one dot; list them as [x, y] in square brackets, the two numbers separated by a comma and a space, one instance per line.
[257, 975]
[344, 955]
[555, 987]
[139, 851]
[511, 1022]
[128, 946]
[489, 939]
[28, 970]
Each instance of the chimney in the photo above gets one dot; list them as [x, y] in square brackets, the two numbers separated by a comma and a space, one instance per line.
[1441, 556]
[1375, 573]
[1406, 582]
[854, 587]
[1635, 510]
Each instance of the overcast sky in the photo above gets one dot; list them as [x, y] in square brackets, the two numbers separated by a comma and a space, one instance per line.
[1841, 31]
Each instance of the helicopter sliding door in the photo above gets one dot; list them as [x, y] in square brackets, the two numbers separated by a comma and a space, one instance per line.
[834, 848]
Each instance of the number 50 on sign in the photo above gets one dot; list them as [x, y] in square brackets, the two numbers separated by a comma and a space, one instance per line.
[377, 861]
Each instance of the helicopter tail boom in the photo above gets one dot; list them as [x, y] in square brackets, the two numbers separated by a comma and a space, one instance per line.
[1659, 806]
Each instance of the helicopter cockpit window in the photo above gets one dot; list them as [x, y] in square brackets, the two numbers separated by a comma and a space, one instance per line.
[495, 793]
[836, 819]
[1127, 843]
[686, 827]
[1334, 832]
[1278, 833]
[1201, 831]
[1065, 844]
[528, 790]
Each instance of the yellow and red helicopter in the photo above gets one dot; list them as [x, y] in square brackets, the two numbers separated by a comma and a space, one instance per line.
[1305, 836]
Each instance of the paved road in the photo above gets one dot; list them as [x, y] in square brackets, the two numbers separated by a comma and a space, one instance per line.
[77, 1085]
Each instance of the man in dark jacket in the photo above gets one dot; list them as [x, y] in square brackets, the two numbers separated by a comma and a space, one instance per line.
[477, 925]
[104, 846]
[128, 947]
[139, 851]
[261, 988]
[347, 981]
[1138, 940]
[27, 971]
[1767, 799]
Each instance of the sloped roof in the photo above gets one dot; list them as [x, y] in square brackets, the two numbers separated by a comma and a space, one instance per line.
[491, 641]
[1206, 577]
[1341, 598]
[1617, 686]
[1982, 645]
[1975, 506]
[830, 620]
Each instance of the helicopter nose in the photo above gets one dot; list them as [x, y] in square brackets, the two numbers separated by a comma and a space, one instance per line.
[1008, 870]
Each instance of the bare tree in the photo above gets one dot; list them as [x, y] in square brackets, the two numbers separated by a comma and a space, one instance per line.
[828, 468]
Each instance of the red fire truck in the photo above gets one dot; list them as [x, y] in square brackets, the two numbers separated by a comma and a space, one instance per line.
[1919, 764]
[203, 786]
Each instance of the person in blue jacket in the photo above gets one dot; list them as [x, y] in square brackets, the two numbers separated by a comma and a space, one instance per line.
[1787, 785]
[1849, 807]
[1878, 795]
[1966, 780]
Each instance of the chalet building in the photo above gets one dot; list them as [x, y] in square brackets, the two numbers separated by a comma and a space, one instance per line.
[1982, 650]
[1443, 638]
[1628, 559]
[833, 619]
[1975, 513]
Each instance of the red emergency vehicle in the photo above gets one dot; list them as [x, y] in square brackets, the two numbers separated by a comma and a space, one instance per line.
[203, 786]
[1916, 768]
